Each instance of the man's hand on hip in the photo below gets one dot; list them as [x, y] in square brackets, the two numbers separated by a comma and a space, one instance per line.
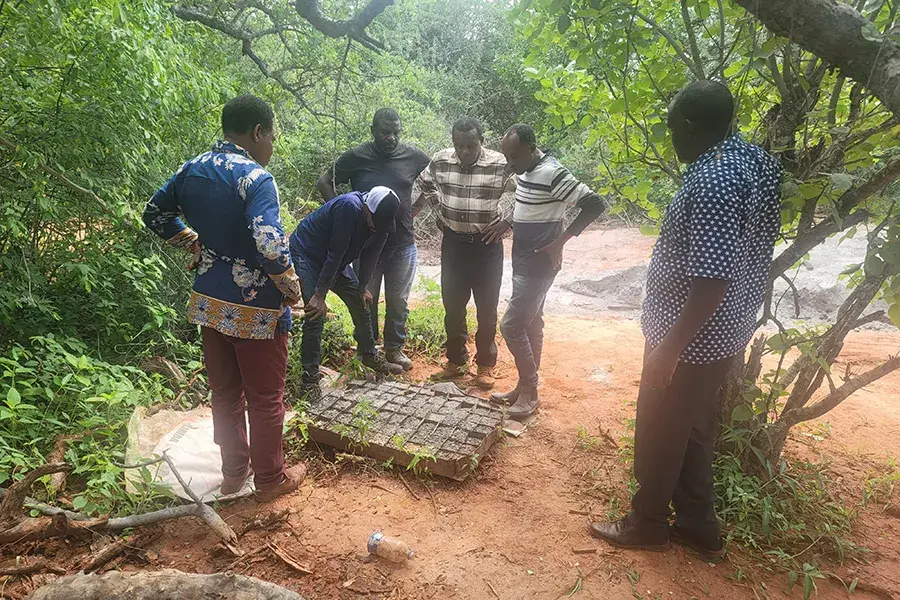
[494, 232]
[555, 250]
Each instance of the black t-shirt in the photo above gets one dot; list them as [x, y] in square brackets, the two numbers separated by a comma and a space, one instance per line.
[365, 167]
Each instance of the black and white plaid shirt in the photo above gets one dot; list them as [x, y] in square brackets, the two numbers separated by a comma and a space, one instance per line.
[468, 199]
[722, 224]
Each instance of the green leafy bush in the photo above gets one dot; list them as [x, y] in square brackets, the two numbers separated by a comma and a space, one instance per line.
[52, 387]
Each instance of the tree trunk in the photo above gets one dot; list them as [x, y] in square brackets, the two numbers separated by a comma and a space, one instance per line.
[839, 35]
[169, 584]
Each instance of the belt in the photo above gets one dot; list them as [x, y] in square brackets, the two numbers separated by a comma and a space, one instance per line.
[466, 238]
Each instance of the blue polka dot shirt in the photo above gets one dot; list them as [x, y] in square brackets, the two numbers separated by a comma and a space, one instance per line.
[722, 224]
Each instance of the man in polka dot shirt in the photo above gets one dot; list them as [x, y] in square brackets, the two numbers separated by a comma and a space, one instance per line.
[705, 287]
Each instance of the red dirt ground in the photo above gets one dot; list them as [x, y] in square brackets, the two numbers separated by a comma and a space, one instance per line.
[512, 527]
[511, 532]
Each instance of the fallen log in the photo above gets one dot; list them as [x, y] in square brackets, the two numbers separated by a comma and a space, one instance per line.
[169, 584]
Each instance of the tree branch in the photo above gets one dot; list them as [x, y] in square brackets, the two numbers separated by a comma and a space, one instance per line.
[839, 35]
[840, 394]
[354, 28]
[848, 201]
[695, 69]
[692, 39]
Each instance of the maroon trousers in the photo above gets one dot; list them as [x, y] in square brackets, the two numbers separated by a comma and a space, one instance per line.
[247, 373]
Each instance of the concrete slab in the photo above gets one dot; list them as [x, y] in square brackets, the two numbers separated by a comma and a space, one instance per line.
[439, 428]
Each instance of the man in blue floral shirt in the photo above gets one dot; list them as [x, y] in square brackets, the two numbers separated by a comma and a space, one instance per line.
[244, 287]
[705, 287]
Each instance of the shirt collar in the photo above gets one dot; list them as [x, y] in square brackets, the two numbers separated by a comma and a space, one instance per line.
[732, 142]
[227, 147]
[481, 161]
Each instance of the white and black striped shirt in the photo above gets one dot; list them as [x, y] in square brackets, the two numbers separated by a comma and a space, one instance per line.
[542, 196]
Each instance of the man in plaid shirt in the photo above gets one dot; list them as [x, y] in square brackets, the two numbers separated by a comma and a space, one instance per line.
[474, 195]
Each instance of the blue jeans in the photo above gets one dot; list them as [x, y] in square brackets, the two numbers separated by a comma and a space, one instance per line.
[397, 267]
[346, 287]
[523, 325]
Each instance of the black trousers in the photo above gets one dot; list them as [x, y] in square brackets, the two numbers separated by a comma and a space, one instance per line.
[674, 442]
[469, 267]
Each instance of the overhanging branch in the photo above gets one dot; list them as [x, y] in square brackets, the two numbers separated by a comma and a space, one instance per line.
[839, 35]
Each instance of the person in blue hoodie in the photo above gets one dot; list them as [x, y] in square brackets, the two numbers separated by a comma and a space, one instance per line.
[323, 246]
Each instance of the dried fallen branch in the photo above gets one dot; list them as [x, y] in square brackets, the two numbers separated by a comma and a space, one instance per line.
[288, 559]
[169, 584]
[265, 522]
[15, 528]
[39, 566]
[11, 507]
[57, 455]
[114, 550]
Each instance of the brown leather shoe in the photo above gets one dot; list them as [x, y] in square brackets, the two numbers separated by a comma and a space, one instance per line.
[232, 485]
[484, 378]
[683, 537]
[293, 477]
[453, 371]
[625, 534]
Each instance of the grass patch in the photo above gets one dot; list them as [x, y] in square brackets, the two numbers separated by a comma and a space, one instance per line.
[789, 522]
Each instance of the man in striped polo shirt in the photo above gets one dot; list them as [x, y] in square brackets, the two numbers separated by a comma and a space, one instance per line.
[544, 189]
[474, 193]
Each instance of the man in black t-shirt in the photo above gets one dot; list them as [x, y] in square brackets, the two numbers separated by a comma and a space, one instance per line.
[388, 162]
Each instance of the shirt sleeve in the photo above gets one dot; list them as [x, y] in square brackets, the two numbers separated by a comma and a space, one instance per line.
[162, 215]
[427, 187]
[575, 193]
[341, 234]
[368, 258]
[508, 198]
[262, 210]
[344, 166]
[714, 225]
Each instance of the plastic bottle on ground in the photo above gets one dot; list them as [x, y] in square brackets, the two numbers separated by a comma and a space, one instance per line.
[390, 548]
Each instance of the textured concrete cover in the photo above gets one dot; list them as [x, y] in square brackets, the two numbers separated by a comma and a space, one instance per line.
[398, 420]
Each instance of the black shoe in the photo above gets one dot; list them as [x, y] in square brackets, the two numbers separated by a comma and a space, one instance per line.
[507, 398]
[526, 405]
[377, 363]
[625, 534]
[310, 388]
[398, 358]
[711, 554]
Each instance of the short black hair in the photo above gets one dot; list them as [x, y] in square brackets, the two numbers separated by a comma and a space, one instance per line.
[707, 103]
[240, 115]
[524, 132]
[464, 124]
[385, 114]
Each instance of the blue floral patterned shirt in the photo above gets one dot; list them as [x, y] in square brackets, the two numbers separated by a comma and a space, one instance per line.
[245, 273]
[722, 225]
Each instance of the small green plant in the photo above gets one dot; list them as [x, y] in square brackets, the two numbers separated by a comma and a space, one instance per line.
[361, 418]
[809, 574]
[586, 441]
[420, 459]
[880, 488]
[52, 387]
[634, 578]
